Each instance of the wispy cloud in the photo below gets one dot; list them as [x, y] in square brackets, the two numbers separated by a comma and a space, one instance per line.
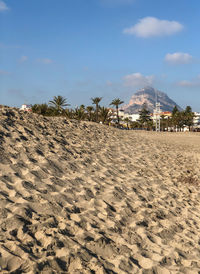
[3, 6]
[109, 83]
[195, 82]
[151, 27]
[178, 58]
[45, 61]
[138, 80]
[4, 46]
[4, 72]
[85, 68]
[23, 59]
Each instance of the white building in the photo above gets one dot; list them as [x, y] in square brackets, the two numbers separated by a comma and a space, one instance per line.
[196, 119]
[132, 117]
[26, 107]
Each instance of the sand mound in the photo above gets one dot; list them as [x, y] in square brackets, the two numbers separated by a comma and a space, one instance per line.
[86, 198]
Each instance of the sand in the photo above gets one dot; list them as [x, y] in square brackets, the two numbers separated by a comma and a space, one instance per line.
[87, 198]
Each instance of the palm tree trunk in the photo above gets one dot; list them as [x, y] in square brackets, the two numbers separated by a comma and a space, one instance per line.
[117, 108]
[97, 110]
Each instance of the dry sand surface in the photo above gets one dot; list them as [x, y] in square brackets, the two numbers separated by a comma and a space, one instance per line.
[86, 198]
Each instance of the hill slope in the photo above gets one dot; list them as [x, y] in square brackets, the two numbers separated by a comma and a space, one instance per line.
[86, 198]
[148, 96]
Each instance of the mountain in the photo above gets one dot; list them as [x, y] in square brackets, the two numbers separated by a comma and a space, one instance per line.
[148, 96]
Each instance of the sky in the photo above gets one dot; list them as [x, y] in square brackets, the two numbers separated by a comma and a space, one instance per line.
[81, 49]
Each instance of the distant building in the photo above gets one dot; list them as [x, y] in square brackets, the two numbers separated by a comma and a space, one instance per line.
[196, 119]
[26, 107]
[164, 114]
[132, 117]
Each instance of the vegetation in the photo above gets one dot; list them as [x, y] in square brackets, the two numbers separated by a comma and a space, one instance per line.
[96, 102]
[90, 113]
[145, 117]
[128, 122]
[58, 103]
[58, 107]
[104, 115]
[116, 103]
[42, 109]
[79, 113]
[180, 119]
[189, 117]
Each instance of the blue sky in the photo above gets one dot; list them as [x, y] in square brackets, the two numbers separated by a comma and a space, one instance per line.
[87, 48]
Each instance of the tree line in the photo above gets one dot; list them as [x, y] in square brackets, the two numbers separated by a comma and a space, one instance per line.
[176, 122]
[59, 107]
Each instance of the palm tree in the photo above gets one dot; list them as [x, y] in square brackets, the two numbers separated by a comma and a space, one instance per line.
[35, 108]
[58, 103]
[79, 113]
[69, 113]
[42, 109]
[96, 102]
[82, 107]
[127, 121]
[90, 112]
[116, 103]
[104, 114]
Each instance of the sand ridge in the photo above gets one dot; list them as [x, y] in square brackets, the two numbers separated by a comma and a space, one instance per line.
[86, 198]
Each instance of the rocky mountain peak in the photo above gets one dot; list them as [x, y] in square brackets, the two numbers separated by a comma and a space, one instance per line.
[148, 96]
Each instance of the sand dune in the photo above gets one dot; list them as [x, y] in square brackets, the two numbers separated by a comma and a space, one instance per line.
[86, 198]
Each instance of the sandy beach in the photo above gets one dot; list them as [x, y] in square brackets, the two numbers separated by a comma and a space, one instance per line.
[80, 197]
